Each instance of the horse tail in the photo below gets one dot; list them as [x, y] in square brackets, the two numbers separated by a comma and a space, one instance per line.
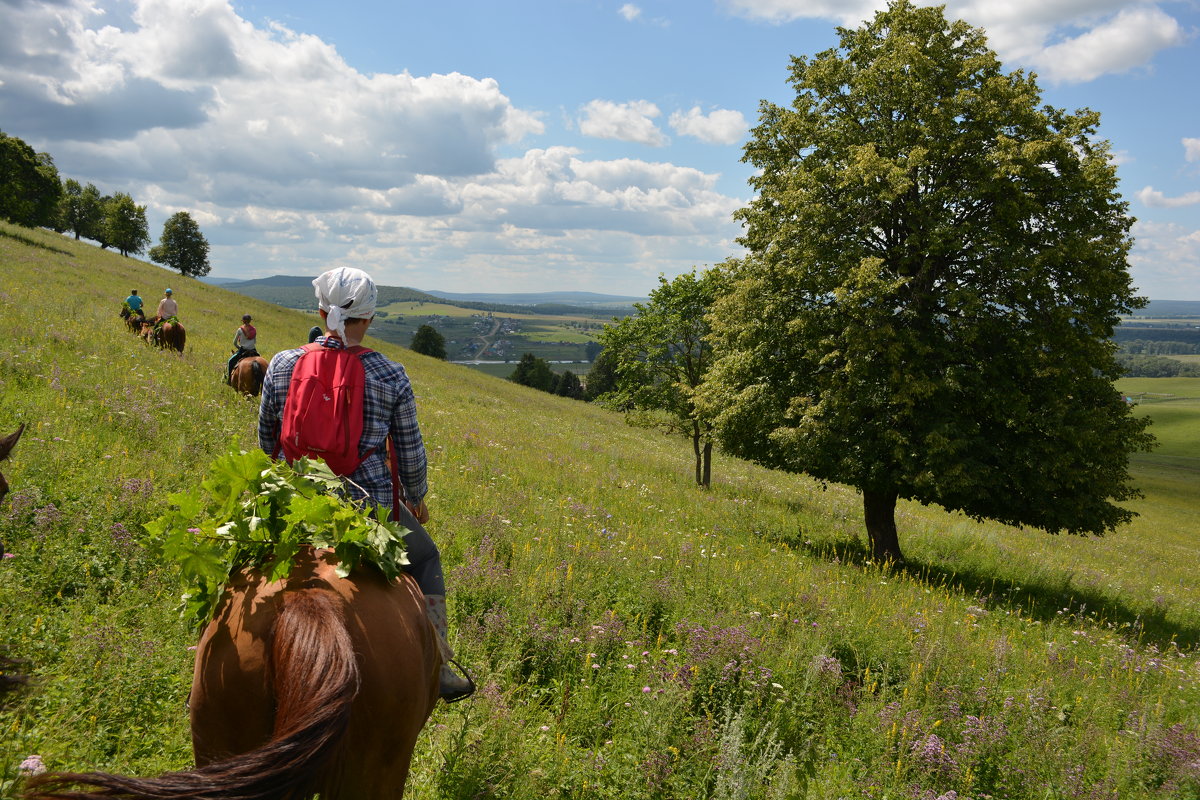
[315, 677]
[259, 374]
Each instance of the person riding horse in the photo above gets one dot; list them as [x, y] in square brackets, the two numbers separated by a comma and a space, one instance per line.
[245, 344]
[132, 307]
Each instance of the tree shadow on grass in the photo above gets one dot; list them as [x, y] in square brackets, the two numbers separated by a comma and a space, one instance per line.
[1038, 598]
[33, 242]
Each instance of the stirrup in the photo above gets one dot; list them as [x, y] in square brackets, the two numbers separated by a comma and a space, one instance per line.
[454, 695]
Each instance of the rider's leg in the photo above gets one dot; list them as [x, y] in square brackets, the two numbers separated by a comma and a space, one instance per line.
[425, 566]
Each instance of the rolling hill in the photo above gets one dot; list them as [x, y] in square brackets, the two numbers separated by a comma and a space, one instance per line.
[632, 635]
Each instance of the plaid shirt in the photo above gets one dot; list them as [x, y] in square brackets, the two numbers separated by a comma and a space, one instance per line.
[389, 406]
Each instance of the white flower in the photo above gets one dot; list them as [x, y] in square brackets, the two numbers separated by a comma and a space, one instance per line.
[32, 766]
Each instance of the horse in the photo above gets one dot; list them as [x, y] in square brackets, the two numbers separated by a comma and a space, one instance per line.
[247, 376]
[6, 446]
[135, 321]
[172, 336]
[9, 678]
[149, 331]
[310, 684]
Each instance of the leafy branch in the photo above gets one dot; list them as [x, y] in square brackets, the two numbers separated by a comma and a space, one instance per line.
[253, 512]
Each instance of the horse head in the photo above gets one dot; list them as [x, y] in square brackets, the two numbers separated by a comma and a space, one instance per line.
[6, 446]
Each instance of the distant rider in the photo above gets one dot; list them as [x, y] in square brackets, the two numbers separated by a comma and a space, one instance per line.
[134, 304]
[245, 344]
[167, 307]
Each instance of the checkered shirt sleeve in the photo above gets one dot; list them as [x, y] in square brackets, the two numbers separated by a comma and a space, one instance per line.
[389, 405]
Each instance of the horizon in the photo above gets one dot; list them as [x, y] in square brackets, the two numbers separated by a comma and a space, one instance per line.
[479, 148]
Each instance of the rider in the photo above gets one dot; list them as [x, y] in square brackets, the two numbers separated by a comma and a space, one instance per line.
[346, 297]
[167, 307]
[244, 344]
[134, 303]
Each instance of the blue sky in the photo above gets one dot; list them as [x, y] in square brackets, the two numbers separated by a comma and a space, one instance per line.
[526, 146]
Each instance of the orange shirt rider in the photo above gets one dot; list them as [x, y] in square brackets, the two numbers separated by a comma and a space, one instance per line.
[167, 307]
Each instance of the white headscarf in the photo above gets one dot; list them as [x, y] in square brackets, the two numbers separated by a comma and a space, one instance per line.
[345, 293]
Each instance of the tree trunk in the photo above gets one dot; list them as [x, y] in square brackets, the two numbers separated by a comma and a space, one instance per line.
[707, 465]
[699, 454]
[879, 509]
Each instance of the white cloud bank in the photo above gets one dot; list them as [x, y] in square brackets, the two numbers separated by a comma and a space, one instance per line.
[717, 127]
[291, 159]
[1066, 41]
[1156, 199]
[626, 122]
[1165, 260]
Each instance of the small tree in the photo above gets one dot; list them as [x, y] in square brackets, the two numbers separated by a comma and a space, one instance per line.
[592, 349]
[662, 355]
[182, 246]
[937, 265]
[601, 379]
[568, 385]
[80, 209]
[429, 342]
[534, 372]
[125, 226]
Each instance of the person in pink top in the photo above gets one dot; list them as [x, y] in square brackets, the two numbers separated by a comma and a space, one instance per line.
[167, 307]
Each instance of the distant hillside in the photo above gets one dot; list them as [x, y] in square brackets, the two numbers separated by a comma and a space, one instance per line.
[540, 298]
[1170, 308]
[296, 291]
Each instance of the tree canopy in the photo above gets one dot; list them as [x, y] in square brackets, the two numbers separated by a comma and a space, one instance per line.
[662, 355]
[429, 341]
[125, 226]
[29, 184]
[182, 246]
[534, 372]
[937, 262]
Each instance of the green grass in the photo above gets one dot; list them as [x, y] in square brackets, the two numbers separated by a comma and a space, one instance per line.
[632, 635]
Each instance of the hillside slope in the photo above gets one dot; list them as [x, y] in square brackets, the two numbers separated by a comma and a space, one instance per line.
[632, 635]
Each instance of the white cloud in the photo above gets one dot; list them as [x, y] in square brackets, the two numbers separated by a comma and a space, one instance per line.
[718, 127]
[1191, 148]
[292, 159]
[1165, 260]
[1156, 199]
[630, 12]
[1065, 40]
[1125, 41]
[626, 122]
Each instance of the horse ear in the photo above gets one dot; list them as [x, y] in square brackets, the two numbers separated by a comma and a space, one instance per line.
[7, 443]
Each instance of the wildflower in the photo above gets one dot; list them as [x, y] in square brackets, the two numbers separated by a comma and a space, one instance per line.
[32, 766]
[645, 690]
[10, 555]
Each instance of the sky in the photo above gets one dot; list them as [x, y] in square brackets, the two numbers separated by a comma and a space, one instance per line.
[527, 145]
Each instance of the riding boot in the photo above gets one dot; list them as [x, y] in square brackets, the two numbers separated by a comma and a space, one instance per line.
[452, 686]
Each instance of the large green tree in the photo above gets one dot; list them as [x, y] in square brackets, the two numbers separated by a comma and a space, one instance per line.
[182, 246]
[429, 341]
[534, 372]
[937, 262]
[29, 184]
[662, 354]
[80, 209]
[124, 225]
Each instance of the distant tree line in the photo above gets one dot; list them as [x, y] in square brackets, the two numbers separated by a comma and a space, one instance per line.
[1145, 347]
[33, 195]
[1139, 366]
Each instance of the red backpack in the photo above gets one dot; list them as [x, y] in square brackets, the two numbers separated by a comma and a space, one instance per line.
[323, 413]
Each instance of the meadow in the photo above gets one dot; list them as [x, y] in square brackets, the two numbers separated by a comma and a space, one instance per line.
[632, 635]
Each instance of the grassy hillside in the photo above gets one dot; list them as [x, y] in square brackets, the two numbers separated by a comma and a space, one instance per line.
[632, 636]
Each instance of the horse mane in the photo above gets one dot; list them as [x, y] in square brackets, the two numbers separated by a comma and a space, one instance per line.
[315, 677]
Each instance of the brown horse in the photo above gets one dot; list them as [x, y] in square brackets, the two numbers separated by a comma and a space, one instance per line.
[6, 446]
[9, 678]
[135, 321]
[312, 684]
[172, 336]
[247, 376]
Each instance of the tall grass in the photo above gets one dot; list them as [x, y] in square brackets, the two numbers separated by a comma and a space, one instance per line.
[632, 635]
